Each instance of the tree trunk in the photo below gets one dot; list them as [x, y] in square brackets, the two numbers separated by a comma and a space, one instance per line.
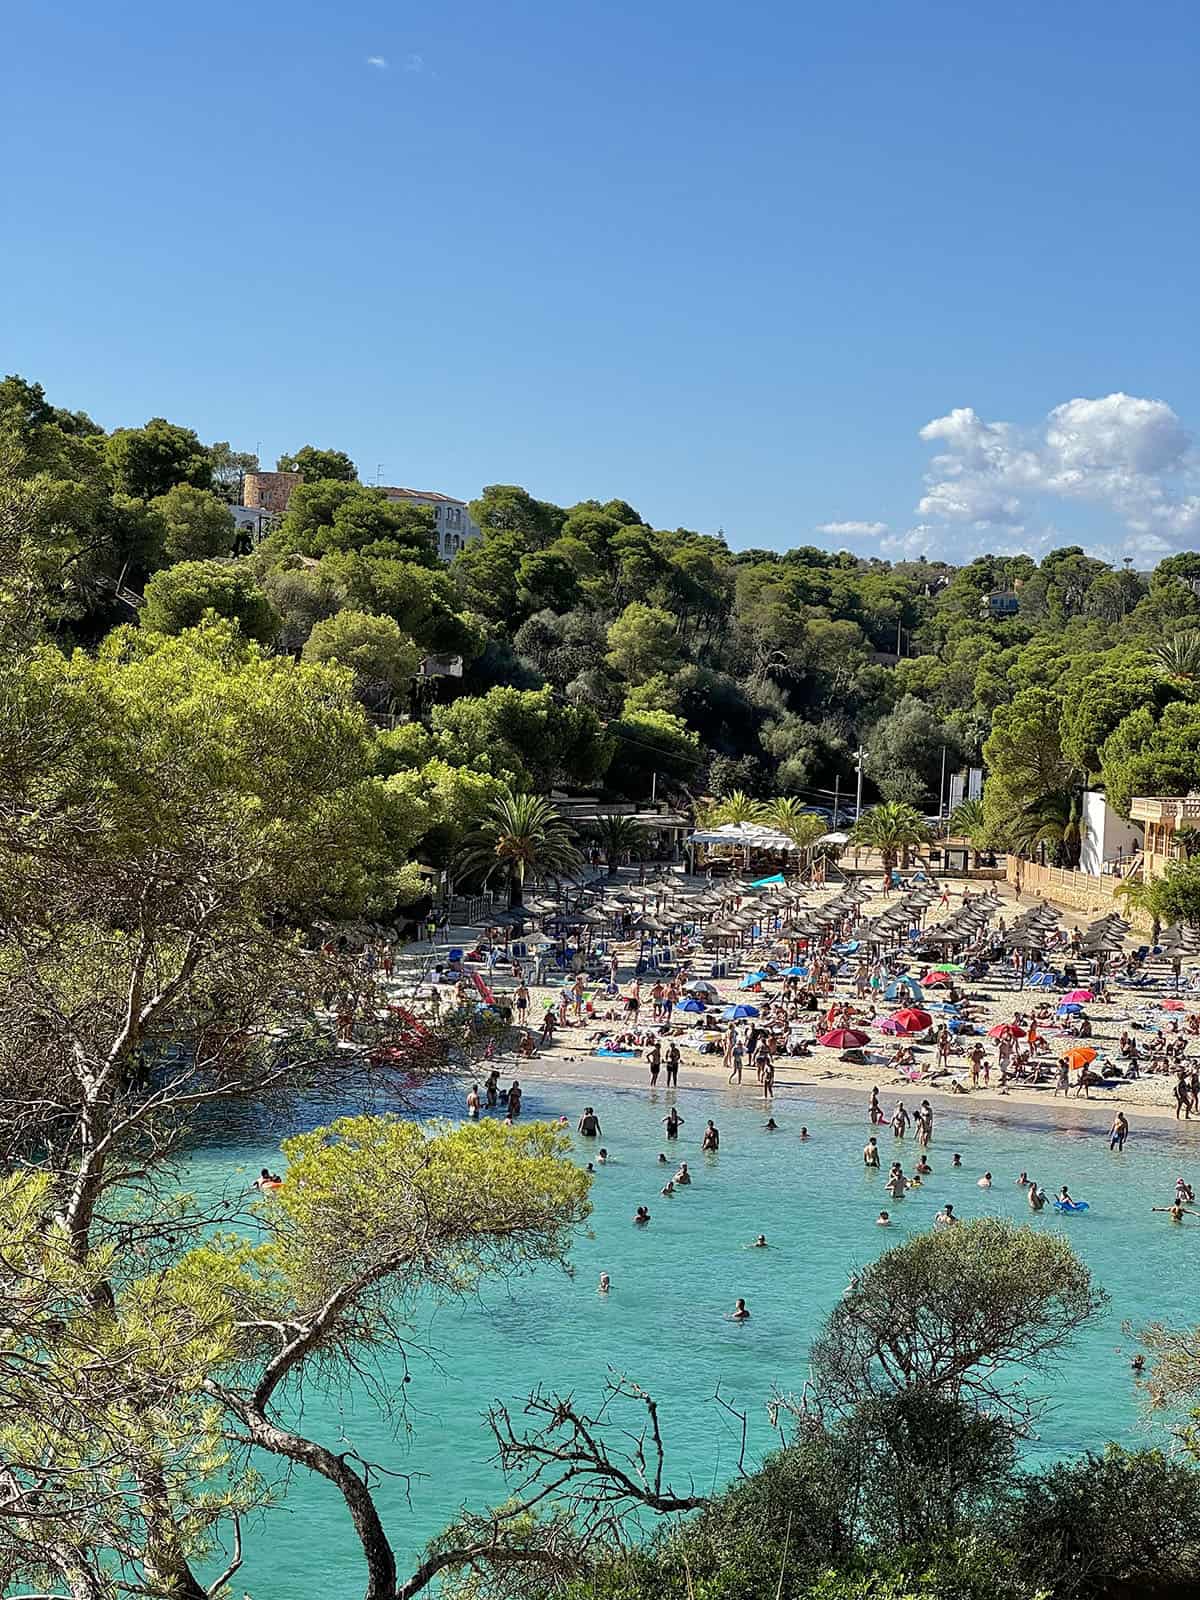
[164, 1562]
[516, 891]
[377, 1552]
[83, 1584]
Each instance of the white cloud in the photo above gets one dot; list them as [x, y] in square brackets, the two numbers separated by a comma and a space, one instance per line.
[1126, 455]
[1117, 434]
[377, 61]
[852, 530]
[414, 62]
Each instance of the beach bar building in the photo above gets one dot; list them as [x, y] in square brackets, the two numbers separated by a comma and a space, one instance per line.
[1163, 819]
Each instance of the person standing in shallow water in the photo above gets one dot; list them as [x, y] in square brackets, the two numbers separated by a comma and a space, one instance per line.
[654, 1062]
[672, 1065]
[673, 1122]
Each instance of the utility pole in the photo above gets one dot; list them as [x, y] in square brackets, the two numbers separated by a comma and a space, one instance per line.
[942, 787]
[837, 788]
[860, 755]
[653, 788]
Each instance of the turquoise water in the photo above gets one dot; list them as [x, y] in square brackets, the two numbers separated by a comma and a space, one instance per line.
[673, 1282]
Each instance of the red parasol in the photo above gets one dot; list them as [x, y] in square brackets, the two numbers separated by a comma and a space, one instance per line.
[912, 1020]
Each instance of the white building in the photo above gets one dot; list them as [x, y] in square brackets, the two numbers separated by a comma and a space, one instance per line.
[1107, 838]
[257, 521]
[453, 522]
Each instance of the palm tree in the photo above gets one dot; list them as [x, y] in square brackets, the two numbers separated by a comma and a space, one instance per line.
[967, 821]
[789, 817]
[1179, 655]
[1054, 819]
[617, 836]
[737, 807]
[892, 829]
[518, 835]
[1143, 896]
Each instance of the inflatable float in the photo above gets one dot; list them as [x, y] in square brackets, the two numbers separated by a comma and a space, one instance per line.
[1070, 1205]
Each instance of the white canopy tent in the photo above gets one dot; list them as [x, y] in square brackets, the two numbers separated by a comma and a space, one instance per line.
[745, 836]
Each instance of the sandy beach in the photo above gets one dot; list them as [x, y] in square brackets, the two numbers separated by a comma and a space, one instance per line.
[571, 1059]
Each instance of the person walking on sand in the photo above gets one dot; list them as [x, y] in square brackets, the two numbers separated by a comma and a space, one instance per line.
[976, 1059]
[736, 1057]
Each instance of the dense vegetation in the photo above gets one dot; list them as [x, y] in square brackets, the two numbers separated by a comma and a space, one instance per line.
[602, 652]
[189, 784]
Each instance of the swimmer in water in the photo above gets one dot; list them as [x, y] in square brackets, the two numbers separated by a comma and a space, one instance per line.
[1138, 1364]
[1177, 1210]
[591, 1167]
[605, 1283]
[771, 1126]
[662, 1158]
[923, 1166]
[986, 1181]
[267, 1180]
[668, 1189]
[871, 1153]
[683, 1175]
[804, 1133]
[896, 1183]
[641, 1217]
[881, 1221]
[1064, 1198]
[739, 1312]
[956, 1160]
[1023, 1181]
[945, 1217]
[1037, 1197]
[760, 1243]
[602, 1155]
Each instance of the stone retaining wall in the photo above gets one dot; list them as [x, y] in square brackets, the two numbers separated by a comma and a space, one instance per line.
[1080, 890]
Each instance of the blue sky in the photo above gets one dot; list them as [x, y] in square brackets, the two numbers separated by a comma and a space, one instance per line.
[724, 262]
